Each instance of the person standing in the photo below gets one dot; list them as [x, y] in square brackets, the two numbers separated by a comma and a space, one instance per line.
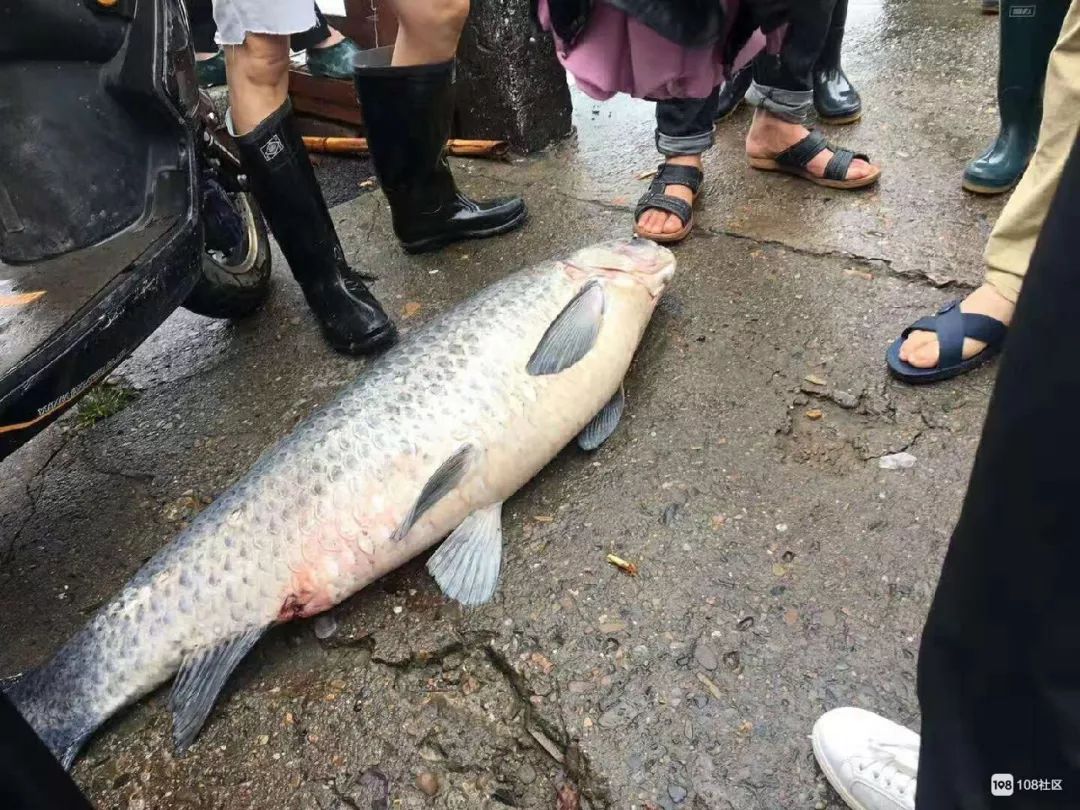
[255, 36]
[835, 98]
[407, 109]
[330, 54]
[408, 105]
[999, 664]
[1028, 31]
[789, 89]
[968, 333]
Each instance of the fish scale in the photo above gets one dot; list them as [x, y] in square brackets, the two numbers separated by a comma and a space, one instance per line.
[429, 441]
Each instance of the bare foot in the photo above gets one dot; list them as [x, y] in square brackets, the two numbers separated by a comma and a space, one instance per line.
[769, 136]
[921, 348]
[653, 220]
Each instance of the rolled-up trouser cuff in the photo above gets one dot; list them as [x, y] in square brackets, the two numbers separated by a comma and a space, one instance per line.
[794, 106]
[676, 145]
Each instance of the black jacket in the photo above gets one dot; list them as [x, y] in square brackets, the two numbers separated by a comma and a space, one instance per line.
[693, 23]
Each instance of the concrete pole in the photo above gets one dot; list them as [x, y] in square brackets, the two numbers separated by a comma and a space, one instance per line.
[510, 85]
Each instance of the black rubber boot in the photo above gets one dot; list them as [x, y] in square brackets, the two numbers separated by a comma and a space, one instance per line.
[407, 112]
[733, 92]
[284, 185]
[836, 99]
[1028, 33]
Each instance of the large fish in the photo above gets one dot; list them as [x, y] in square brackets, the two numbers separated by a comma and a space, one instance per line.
[430, 441]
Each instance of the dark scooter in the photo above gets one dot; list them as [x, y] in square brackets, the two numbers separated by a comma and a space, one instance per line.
[121, 198]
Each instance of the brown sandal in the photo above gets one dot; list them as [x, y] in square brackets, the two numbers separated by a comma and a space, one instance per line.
[669, 174]
[794, 160]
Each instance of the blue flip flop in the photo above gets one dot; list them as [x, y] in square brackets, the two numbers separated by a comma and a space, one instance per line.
[952, 326]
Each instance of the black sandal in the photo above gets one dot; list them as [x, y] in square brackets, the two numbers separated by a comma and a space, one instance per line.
[952, 326]
[670, 174]
[794, 160]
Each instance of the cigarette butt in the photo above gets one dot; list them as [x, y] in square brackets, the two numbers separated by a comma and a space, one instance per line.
[622, 565]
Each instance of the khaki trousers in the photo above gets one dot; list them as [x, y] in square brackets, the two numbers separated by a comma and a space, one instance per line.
[1008, 251]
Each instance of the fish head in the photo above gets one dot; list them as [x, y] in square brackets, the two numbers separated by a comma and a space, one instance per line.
[636, 264]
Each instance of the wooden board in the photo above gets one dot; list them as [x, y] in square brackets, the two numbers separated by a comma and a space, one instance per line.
[368, 28]
[333, 99]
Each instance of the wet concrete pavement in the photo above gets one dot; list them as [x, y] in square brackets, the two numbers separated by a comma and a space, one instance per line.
[782, 571]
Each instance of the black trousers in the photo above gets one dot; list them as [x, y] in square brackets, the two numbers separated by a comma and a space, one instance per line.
[792, 68]
[30, 777]
[203, 29]
[784, 82]
[684, 126]
[999, 667]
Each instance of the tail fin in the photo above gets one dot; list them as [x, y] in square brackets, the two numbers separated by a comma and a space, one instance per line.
[63, 729]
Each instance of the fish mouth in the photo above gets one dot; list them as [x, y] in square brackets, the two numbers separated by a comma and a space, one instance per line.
[655, 265]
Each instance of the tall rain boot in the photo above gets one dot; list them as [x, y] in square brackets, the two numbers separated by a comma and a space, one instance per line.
[407, 112]
[1029, 29]
[284, 184]
[835, 97]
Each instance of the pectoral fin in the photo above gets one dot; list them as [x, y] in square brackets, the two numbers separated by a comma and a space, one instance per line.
[599, 430]
[444, 479]
[199, 681]
[572, 334]
[466, 566]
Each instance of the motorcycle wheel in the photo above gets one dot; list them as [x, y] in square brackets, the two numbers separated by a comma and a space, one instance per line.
[235, 281]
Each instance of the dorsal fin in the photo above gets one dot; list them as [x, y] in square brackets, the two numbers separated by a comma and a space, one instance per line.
[199, 681]
[571, 335]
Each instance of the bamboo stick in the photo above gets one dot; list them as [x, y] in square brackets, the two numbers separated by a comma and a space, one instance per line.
[359, 146]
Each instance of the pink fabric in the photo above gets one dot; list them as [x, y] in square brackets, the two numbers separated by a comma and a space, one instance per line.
[618, 54]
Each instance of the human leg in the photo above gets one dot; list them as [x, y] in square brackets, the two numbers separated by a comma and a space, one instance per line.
[408, 109]
[284, 184]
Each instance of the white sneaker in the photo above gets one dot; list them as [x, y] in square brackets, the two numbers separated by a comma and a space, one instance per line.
[870, 761]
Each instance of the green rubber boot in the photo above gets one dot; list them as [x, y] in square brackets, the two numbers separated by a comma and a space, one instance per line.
[335, 62]
[211, 72]
[1029, 29]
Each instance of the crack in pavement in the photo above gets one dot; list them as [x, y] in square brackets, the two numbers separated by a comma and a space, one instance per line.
[551, 739]
[423, 659]
[903, 449]
[919, 277]
[142, 478]
[522, 184]
[8, 555]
